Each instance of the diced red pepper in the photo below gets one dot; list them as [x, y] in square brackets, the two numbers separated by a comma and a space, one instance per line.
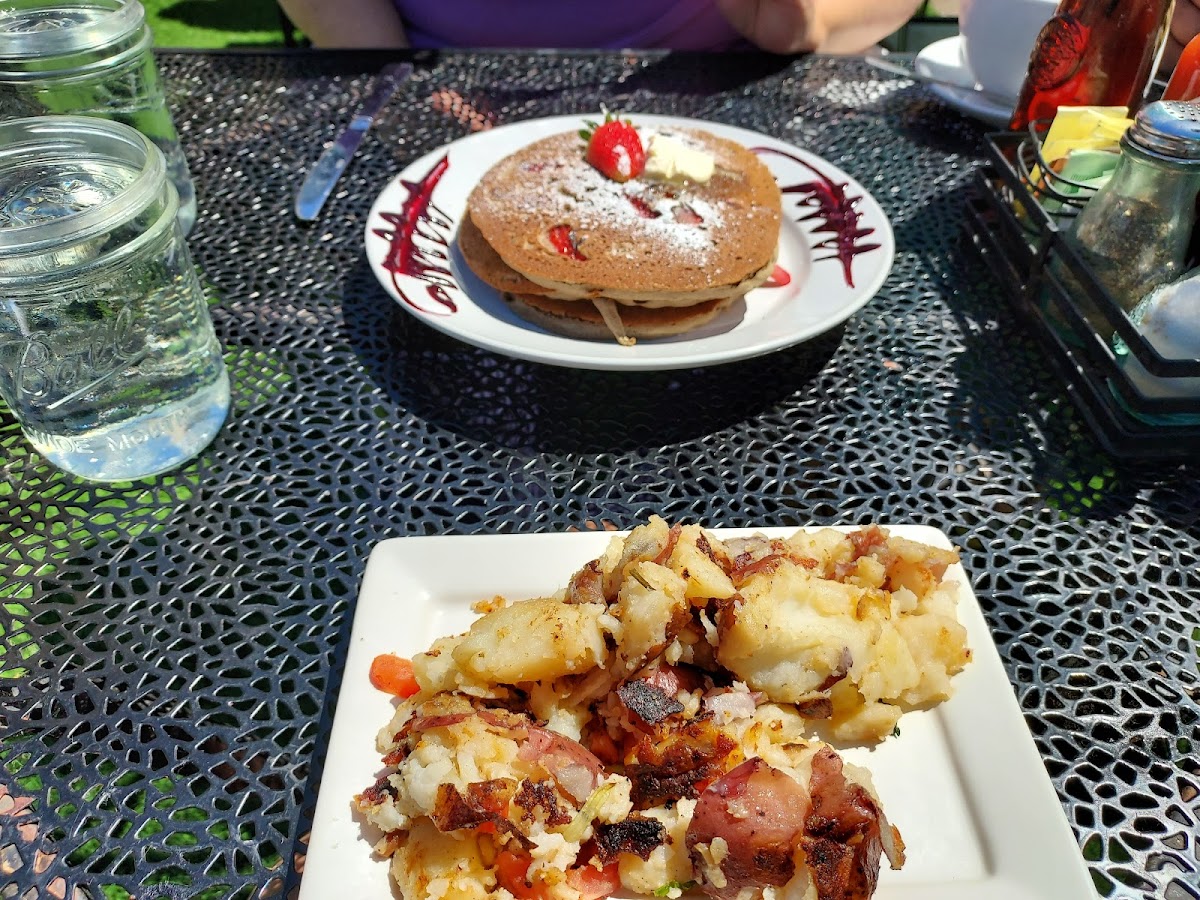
[394, 675]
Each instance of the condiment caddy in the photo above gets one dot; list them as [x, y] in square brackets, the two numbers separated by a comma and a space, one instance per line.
[1090, 339]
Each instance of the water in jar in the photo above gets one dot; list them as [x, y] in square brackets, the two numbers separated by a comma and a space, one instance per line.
[113, 368]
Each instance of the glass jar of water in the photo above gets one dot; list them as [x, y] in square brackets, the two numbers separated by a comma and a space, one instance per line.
[108, 358]
[92, 58]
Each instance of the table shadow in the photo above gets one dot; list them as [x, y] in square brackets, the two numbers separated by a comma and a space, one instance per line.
[1009, 400]
[535, 407]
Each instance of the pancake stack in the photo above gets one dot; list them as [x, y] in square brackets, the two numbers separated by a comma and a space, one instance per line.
[590, 257]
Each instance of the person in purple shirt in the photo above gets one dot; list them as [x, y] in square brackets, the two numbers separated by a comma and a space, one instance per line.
[780, 26]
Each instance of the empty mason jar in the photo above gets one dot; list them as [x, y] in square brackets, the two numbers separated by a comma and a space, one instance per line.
[108, 358]
[92, 58]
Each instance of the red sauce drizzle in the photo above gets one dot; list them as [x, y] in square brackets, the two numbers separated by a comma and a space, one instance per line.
[828, 202]
[419, 217]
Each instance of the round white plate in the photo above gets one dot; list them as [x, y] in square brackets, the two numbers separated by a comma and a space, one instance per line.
[835, 243]
[945, 60]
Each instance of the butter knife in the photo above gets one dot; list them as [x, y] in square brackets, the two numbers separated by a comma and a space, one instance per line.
[318, 185]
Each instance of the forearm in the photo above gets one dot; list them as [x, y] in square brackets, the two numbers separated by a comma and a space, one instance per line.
[828, 26]
[347, 23]
[849, 26]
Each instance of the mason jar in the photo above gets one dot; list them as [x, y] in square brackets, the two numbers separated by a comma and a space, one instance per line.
[92, 58]
[108, 358]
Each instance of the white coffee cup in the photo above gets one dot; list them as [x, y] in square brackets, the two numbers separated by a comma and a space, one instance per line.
[997, 38]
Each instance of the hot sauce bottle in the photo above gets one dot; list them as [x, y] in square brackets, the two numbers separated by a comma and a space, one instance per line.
[1093, 53]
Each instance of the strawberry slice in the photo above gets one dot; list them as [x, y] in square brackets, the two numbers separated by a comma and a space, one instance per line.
[563, 239]
[615, 148]
[779, 278]
[645, 210]
[685, 215]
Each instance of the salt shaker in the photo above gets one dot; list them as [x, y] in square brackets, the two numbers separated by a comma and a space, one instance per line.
[108, 357]
[1134, 233]
[91, 58]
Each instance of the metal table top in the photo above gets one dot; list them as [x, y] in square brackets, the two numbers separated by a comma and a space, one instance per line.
[170, 650]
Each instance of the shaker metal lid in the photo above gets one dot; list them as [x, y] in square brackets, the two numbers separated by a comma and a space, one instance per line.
[1169, 128]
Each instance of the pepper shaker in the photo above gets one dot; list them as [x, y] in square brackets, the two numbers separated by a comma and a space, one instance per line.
[1135, 232]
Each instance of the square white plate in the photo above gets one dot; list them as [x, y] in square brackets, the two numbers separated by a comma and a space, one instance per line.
[963, 782]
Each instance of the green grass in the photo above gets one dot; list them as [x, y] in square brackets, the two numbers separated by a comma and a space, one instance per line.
[215, 23]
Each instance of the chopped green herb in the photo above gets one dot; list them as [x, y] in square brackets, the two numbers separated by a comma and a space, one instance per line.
[681, 886]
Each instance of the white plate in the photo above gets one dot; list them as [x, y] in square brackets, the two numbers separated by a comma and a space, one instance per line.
[944, 59]
[436, 286]
[963, 782]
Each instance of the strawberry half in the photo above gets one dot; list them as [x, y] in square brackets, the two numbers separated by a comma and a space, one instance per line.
[615, 148]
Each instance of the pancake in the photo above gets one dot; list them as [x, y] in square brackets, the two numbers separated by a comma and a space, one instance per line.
[581, 319]
[644, 240]
[487, 264]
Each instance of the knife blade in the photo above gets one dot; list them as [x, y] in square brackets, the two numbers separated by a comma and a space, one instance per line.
[319, 182]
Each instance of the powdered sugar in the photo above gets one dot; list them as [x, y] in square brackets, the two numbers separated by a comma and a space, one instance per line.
[657, 216]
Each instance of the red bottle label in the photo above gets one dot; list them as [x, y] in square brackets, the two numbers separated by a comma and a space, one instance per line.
[1058, 52]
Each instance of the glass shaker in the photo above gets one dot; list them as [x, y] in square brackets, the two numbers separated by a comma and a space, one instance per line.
[1169, 320]
[92, 58]
[1135, 232]
[108, 357]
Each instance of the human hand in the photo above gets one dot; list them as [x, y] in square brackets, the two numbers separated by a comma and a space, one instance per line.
[778, 26]
[1185, 25]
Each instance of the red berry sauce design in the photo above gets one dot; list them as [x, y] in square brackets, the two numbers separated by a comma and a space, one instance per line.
[429, 260]
[836, 213]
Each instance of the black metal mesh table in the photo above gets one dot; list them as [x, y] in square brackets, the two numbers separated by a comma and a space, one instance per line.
[170, 650]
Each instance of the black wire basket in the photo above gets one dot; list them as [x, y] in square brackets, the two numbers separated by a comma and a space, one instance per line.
[1017, 215]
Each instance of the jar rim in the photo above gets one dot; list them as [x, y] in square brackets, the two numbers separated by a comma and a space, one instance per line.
[105, 22]
[73, 139]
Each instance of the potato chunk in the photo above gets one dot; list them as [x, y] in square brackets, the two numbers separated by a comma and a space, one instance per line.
[429, 863]
[533, 640]
[792, 633]
[651, 607]
[703, 576]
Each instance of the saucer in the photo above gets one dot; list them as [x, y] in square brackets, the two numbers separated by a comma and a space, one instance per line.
[944, 60]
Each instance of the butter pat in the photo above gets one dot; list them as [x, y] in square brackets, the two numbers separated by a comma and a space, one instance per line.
[668, 159]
